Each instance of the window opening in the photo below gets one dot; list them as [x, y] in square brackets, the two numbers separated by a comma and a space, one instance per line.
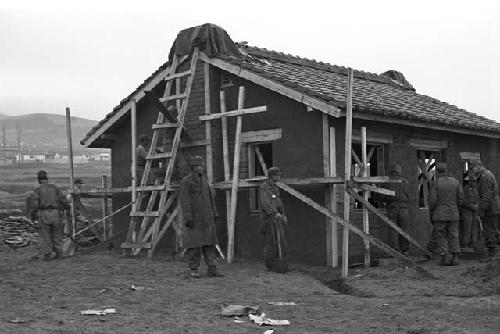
[259, 154]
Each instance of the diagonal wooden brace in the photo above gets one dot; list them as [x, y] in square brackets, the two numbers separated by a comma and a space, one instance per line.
[378, 243]
[155, 100]
[373, 209]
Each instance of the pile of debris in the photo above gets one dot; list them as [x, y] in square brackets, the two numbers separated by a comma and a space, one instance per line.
[18, 231]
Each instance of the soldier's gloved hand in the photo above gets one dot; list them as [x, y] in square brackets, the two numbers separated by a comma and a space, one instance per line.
[190, 224]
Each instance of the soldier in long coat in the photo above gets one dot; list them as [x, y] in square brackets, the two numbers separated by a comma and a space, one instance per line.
[272, 217]
[445, 200]
[489, 203]
[468, 236]
[45, 203]
[198, 214]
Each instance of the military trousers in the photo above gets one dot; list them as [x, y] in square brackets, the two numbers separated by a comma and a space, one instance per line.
[468, 228]
[51, 232]
[269, 228]
[490, 230]
[447, 236]
[194, 256]
[400, 217]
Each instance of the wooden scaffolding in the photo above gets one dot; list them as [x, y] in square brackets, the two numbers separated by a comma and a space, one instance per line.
[159, 214]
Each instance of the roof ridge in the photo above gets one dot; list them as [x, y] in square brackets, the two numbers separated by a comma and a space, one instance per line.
[320, 65]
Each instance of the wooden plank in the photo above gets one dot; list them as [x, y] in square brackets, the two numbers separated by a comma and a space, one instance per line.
[144, 214]
[236, 172]
[104, 184]
[366, 219]
[133, 153]
[225, 155]
[261, 135]
[355, 230]
[369, 187]
[164, 126]
[333, 199]
[71, 168]
[136, 245]
[238, 112]
[261, 159]
[157, 103]
[157, 156]
[373, 209]
[328, 192]
[347, 173]
[109, 136]
[173, 97]
[208, 124]
[274, 86]
[177, 75]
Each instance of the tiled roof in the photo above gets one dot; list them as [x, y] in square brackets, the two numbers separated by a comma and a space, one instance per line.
[373, 94]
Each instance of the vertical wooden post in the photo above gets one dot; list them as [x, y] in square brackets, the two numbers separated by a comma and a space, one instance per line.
[328, 193]
[225, 154]
[236, 172]
[71, 169]
[133, 152]
[347, 173]
[366, 222]
[208, 125]
[104, 184]
[333, 200]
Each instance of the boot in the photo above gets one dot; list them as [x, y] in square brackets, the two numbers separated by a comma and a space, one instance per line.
[454, 260]
[445, 260]
[212, 272]
[194, 273]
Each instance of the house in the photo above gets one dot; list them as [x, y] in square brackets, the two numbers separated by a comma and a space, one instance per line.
[303, 97]
[31, 158]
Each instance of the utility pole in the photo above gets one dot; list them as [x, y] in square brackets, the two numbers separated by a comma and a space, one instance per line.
[19, 136]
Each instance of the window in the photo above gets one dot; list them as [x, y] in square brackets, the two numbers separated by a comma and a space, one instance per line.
[260, 157]
[426, 174]
[226, 80]
[375, 162]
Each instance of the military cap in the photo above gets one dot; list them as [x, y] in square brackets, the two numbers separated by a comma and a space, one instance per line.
[196, 161]
[273, 171]
[441, 167]
[475, 163]
[42, 175]
[396, 168]
[144, 137]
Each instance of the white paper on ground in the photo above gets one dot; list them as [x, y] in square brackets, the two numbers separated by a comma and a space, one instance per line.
[263, 320]
[98, 312]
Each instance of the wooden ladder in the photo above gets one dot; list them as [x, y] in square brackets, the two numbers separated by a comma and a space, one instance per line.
[148, 235]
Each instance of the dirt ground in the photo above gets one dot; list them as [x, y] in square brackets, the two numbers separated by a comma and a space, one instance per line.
[47, 297]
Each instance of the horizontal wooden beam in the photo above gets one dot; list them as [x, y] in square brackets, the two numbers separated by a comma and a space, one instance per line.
[273, 85]
[164, 125]
[261, 135]
[173, 97]
[158, 156]
[375, 189]
[238, 112]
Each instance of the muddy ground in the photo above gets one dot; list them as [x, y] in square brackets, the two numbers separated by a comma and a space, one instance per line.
[47, 297]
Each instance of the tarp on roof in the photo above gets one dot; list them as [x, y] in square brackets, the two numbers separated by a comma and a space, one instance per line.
[209, 38]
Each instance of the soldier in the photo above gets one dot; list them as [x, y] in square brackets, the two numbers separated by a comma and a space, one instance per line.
[397, 209]
[45, 203]
[273, 216]
[445, 200]
[468, 235]
[198, 216]
[489, 203]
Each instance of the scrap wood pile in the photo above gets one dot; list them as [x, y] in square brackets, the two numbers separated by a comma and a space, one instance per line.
[18, 231]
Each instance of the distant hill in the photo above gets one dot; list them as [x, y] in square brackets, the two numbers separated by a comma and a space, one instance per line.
[45, 132]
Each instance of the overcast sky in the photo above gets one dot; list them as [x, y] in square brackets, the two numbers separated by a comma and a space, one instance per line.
[89, 55]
